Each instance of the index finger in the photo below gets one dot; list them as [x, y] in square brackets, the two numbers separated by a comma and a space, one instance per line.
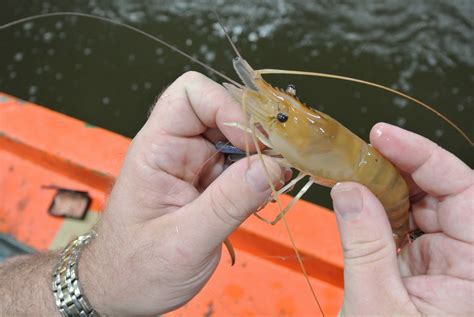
[435, 170]
[194, 104]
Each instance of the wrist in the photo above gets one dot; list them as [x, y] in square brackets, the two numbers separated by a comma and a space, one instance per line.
[67, 286]
[96, 273]
[90, 277]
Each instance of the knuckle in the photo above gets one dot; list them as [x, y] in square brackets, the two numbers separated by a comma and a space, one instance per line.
[366, 252]
[224, 207]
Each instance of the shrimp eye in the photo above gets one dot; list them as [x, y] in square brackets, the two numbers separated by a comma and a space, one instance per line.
[282, 117]
[291, 89]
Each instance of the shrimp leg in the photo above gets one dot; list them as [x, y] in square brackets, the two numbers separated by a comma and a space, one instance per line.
[238, 126]
[290, 184]
[282, 212]
[248, 130]
[287, 208]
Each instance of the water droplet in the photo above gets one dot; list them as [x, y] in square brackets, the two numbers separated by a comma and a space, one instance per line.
[460, 107]
[58, 25]
[405, 86]
[363, 109]
[423, 68]
[431, 60]
[18, 57]
[32, 90]
[39, 70]
[105, 100]
[314, 52]
[203, 48]
[237, 29]
[253, 37]
[136, 16]
[134, 87]
[159, 51]
[189, 42]
[400, 102]
[87, 51]
[147, 85]
[439, 133]
[47, 37]
[58, 76]
[28, 26]
[131, 57]
[51, 51]
[352, 36]
[12, 75]
[210, 56]
[401, 121]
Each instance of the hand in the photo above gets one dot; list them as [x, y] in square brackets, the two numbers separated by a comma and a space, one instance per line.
[434, 274]
[173, 204]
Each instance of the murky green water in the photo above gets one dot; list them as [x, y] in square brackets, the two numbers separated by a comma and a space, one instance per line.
[109, 76]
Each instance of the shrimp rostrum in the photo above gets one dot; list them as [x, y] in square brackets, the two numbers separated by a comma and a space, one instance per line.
[317, 146]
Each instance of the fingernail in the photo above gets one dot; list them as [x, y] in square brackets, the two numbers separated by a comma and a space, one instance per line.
[257, 177]
[347, 201]
[287, 172]
[378, 132]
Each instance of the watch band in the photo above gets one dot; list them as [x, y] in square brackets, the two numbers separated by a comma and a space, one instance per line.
[67, 290]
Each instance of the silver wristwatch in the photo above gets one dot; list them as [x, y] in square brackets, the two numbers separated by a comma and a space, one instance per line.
[67, 291]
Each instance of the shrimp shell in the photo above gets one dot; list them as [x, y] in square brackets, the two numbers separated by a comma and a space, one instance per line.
[319, 146]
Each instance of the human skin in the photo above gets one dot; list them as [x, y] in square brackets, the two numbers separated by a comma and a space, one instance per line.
[159, 239]
[434, 274]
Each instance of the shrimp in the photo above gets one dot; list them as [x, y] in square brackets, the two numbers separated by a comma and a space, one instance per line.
[318, 146]
[302, 138]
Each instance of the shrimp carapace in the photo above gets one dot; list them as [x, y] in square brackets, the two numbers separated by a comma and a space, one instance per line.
[319, 146]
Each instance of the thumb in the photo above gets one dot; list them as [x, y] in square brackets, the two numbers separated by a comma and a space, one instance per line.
[370, 260]
[229, 200]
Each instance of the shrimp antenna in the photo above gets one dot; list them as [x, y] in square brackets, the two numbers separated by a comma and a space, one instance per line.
[227, 34]
[368, 83]
[247, 150]
[137, 30]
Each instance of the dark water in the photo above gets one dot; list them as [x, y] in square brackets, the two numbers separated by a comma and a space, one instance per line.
[109, 76]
